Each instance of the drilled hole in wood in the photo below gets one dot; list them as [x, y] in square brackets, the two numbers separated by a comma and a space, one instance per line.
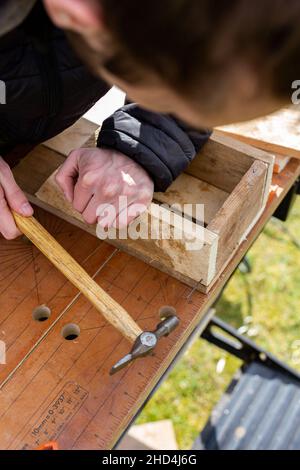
[70, 331]
[41, 313]
[166, 311]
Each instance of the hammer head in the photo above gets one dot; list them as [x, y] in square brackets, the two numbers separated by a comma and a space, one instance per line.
[148, 340]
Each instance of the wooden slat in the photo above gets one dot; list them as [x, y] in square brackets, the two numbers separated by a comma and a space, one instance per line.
[76, 136]
[170, 255]
[233, 222]
[223, 161]
[189, 190]
[170, 252]
[280, 161]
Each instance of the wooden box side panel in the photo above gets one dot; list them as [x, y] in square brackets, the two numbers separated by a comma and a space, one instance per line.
[167, 252]
[219, 164]
[236, 217]
[170, 255]
[188, 193]
[224, 161]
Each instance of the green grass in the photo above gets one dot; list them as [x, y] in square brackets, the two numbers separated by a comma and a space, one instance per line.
[267, 303]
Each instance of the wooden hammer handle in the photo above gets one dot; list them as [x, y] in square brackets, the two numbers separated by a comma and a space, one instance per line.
[110, 309]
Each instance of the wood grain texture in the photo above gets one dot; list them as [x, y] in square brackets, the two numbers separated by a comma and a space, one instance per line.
[279, 132]
[70, 378]
[223, 161]
[44, 372]
[220, 166]
[233, 221]
[186, 190]
[81, 134]
[147, 257]
[28, 279]
[166, 251]
[66, 264]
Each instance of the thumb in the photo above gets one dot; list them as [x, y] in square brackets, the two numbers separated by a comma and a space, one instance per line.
[15, 197]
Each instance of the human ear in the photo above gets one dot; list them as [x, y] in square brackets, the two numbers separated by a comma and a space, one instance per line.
[77, 15]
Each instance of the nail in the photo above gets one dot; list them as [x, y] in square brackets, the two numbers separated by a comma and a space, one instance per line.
[26, 209]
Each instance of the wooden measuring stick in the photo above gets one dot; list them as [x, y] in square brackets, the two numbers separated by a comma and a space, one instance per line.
[110, 309]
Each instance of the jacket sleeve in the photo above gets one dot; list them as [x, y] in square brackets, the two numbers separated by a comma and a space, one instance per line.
[162, 145]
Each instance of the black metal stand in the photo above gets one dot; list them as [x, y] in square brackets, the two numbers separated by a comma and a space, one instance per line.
[261, 407]
[242, 347]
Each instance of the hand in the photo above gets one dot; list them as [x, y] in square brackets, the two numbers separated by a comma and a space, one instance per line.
[97, 177]
[11, 197]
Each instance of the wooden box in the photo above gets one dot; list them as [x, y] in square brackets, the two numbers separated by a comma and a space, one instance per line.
[230, 178]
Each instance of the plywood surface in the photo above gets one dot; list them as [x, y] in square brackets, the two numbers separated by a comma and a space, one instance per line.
[52, 388]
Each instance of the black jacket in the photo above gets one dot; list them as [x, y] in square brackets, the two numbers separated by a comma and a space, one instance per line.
[48, 89]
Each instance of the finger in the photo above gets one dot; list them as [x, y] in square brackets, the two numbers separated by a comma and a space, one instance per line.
[134, 208]
[90, 213]
[97, 209]
[8, 227]
[14, 196]
[106, 216]
[83, 194]
[127, 215]
[106, 195]
[67, 174]
[117, 205]
[92, 184]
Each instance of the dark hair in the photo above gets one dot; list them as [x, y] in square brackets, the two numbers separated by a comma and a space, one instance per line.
[193, 43]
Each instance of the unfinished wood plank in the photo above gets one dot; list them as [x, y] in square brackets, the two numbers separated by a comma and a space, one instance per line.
[170, 255]
[280, 161]
[166, 249]
[76, 136]
[174, 255]
[219, 166]
[234, 220]
[184, 190]
[279, 132]
[223, 161]
[189, 190]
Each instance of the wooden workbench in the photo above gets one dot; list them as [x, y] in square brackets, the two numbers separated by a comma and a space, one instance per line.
[52, 388]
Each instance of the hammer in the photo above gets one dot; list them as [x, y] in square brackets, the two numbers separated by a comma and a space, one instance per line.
[143, 342]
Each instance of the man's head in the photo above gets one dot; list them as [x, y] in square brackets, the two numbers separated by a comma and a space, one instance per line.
[209, 62]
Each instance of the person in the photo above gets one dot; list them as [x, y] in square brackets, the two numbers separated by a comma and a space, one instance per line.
[190, 64]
